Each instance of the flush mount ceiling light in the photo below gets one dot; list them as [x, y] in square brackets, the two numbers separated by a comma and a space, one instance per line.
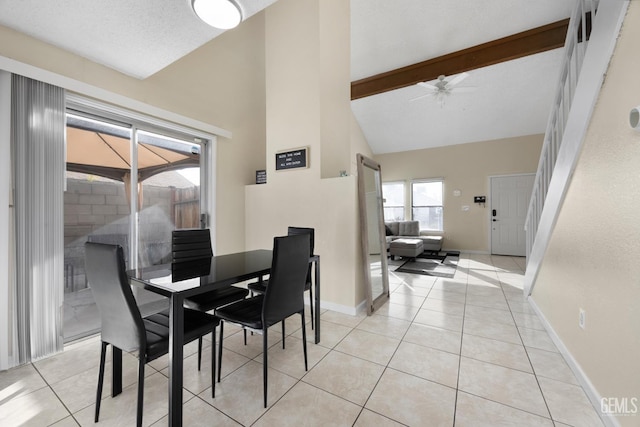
[223, 14]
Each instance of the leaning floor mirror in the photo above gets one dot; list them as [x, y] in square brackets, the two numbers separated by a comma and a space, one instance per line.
[374, 244]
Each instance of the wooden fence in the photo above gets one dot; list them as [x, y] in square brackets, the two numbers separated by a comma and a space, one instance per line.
[185, 212]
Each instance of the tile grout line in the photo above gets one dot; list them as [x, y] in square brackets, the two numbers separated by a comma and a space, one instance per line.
[501, 403]
[386, 367]
[70, 414]
[464, 312]
[544, 399]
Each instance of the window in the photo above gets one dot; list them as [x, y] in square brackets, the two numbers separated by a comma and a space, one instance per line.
[426, 204]
[393, 201]
[98, 201]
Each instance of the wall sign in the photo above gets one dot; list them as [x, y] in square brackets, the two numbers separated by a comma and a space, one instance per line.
[261, 177]
[292, 159]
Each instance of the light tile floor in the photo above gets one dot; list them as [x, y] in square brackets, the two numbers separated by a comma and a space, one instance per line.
[465, 351]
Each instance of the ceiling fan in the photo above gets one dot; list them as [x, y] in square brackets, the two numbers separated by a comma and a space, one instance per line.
[443, 86]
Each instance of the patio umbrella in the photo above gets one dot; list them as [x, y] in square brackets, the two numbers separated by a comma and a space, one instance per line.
[105, 151]
[103, 154]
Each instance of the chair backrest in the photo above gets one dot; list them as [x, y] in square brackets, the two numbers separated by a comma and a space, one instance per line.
[122, 323]
[294, 231]
[285, 294]
[190, 244]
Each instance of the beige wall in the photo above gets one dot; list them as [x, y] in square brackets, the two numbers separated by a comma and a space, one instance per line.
[359, 145]
[335, 79]
[592, 259]
[221, 83]
[467, 168]
[307, 108]
[224, 83]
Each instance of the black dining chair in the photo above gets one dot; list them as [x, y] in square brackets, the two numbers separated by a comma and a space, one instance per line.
[260, 287]
[283, 297]
[123, 326]
[190, 244]
[190, 249]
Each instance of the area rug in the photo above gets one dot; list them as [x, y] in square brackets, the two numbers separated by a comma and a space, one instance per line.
[439, 265]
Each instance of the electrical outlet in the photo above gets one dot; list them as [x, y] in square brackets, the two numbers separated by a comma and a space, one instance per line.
[582, 317]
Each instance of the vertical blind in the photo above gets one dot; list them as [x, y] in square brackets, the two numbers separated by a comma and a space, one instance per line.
[38, 151]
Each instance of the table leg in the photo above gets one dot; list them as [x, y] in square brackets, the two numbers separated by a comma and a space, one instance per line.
[176, 341]
[317, 300]
[116, 376]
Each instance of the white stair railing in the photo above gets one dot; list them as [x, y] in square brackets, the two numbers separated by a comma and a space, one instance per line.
[578, 33]
[581, 78]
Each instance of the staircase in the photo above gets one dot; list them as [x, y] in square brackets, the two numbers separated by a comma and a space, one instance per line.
[591, 37]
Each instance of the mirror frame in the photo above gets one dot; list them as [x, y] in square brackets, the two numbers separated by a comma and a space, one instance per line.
[372, 303]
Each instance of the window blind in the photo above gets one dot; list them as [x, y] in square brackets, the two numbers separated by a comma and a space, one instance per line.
[37, 146]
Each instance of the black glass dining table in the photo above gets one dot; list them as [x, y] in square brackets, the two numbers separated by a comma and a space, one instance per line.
[178, 281]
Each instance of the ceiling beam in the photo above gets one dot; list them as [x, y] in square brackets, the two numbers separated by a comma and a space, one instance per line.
[540, 39]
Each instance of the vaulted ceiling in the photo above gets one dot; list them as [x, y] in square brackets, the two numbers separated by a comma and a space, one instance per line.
[512, 97]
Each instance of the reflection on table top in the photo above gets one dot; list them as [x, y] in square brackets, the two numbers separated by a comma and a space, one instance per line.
[217, 271]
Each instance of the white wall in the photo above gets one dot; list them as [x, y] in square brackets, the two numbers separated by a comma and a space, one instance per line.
[224, 84]
[308, 105]
[220, 84]
[592, 258]
[465, 167]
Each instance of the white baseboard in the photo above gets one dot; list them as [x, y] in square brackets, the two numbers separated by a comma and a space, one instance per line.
[344, 309]
[592, 394]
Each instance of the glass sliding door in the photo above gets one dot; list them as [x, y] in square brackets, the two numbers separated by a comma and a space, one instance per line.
[105, 159]
[96, 208]
[169, 198]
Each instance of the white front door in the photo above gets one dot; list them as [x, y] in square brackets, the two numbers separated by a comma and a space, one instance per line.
[509, 203]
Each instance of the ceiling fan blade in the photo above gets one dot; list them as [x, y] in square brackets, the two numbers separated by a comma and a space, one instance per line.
[463, 89]
[456, 79]
[428, 86]
[422, 96]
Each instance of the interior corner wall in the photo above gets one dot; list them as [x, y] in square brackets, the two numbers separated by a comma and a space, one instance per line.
[221, 83]
[297, 96]
[335, 78]
[591, 262]
[359, 145]
[465, 167]
[230, 89]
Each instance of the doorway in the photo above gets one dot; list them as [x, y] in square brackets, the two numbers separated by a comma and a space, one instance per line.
[99, 206]
[510, 197]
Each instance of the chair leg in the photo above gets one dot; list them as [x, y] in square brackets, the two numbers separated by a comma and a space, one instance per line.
[304, 339]
[220, 349]
[283, 335]
[103, 355]
[264, 363]
[311, 306]
[140, 390]
[116, 368]
[213, 363]
[199, 352]
[244, 331]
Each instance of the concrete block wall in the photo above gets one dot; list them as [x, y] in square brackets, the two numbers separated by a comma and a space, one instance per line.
[101, 210]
